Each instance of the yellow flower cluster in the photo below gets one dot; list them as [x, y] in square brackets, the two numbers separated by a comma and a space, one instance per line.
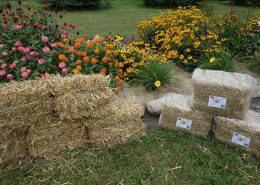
[134, 55]
[182, 35]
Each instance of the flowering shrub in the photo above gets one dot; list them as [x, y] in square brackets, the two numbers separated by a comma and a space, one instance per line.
[242, 36]
[28, 43]
[87, 57]
[182, 36]
[133, 56]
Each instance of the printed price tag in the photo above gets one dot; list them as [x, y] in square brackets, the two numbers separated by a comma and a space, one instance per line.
[217, 102]
[184, 123]
[241, 140]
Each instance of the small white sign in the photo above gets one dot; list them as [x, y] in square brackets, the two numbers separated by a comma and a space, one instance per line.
[184, 123]
[241, 140]
[160, 119]
[217, 102]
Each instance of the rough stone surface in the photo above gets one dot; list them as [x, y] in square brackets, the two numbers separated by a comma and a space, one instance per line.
[256, 93]
[154, 107]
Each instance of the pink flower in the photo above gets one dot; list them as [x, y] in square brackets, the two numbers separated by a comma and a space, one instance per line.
[12, 66]
[23, 59]
[5, 54]
[26, 50]
[61, 65]
[18, 43]
[41, 61]
[25, 75]
[33, 54]
[64, 35]
[45, 39]
[23, 69]
[29, 71]
[20, 48]
[10, 77]
[46, 75]
[2, 72]
[46, 50]
[53, 45]
[18, 27]
[3, 65]
[14, 49]
[64, 71]
[1, 46]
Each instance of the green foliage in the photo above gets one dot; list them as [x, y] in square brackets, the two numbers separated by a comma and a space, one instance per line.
[225, 61]
[255, 65]
[169, 3]
[75, 4]
[153, 75]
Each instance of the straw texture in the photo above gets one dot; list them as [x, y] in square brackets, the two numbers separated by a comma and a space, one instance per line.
[235, 87]
[178, 106]
[249, 127]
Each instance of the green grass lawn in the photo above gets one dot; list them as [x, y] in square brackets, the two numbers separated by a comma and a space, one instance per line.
[123, 16]
[163, 157]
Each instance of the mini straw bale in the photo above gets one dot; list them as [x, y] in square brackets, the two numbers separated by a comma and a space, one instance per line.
[13, 143]
[235, 87]
[178, 107]
[249, 127]
[75, 105]
[51, 136]
[120, 126]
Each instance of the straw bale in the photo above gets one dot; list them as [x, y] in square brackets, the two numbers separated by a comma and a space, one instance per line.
[235, 87]
[119, 127]
[13, 143]
[79, 83]
[51, 136]
[177, 108]
[249, 127]
[75, 105]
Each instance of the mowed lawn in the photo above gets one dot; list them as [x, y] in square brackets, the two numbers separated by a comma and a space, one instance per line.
[161, 158]
[123, 16]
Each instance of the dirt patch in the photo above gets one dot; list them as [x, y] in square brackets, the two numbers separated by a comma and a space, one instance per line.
[255, 104]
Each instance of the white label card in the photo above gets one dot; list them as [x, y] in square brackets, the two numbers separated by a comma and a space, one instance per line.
[160, 119]
[217, 102]
[241, 140]
[184, 123]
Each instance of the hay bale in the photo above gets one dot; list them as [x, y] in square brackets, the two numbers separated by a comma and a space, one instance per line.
[178, 115]
[222, 93]
[51, 136]
[75, 105]
[13, 143]
[119, 127]
[243, 133]
[78, 83]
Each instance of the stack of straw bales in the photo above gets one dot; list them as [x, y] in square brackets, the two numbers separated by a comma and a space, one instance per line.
[43, 117]
[220, 99]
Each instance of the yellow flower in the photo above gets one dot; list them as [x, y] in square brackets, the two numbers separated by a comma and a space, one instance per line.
[157, 83]
[181, 57]
[212, 60]
[188, 49]
[190, 57]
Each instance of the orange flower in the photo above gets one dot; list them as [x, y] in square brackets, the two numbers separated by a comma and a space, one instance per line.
[117, 90]
[66, 40]
[110, 46]
[94, 60]
[79, 62]
[109, 52]
[79, 68]
[83, 53]
[103, 71]
[117, 78]
[75, 71]
[99, 40]
[121, 83]
[71, 50]
[77, 45]
[104, 59]
[89, 45]
[79, 53]
[97, 51]
[120, 70]
[85, 59]
[109, 37]
[61, 45]
[62, 57]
